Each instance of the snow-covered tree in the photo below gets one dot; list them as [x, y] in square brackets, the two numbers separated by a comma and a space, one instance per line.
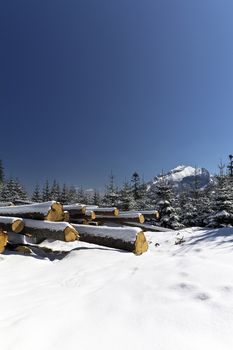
[111, 196]
[46, 192]
[96, 200]
[36, 195]
[223, 203]
[168, 215]
[126, 197]
[81, 196]
[2, 175]
[55, 191]
[13, 190]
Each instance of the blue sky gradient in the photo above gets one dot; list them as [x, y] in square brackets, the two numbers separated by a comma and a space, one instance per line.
[92, 86]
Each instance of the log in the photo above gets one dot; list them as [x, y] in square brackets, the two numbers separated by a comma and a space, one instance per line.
[62, 231]
[51, 211]
[129, 239]
[104, 211]
[66, 216]
[134, 217]
[89, 215]
[3, 240]
[11, 224]
[75, 209]
[6, 204]
[22, 202]
[148, 214]
[148, 227]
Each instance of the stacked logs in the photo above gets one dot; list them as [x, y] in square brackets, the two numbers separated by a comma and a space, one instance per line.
[51, 220]
[39, 220]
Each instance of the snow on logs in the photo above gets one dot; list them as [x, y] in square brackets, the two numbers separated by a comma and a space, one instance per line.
[150, 214]
[51, 211]
[122, 217]
[11, 224]
[126, 238]
[3, 240]
[62, 231]
[104, 211]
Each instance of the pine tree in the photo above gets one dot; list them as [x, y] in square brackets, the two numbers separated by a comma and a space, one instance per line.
[111, 196]
[168, 215]
[96, 198]
[13, 190]
[72, 196]
[126, 197]
[64, 196]
[55, 191]
[81, 196]
[223, 203]
[46, 192]
[36, 195]
[136, 185]
[2, 176]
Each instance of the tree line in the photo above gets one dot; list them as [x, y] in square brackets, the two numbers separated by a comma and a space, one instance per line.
[211, 206]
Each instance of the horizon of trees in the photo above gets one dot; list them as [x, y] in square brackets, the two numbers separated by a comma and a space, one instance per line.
[210, 206]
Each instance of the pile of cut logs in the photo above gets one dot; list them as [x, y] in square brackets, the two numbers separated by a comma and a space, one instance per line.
[50, 220]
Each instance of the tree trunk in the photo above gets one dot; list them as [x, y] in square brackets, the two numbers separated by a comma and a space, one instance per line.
[51, 211]
[148, 214]
[129, 239]
[89, 215]
[104, 211]
[147, 227]
[75, 209]
[122, 217]
[62, 231]
[11, 224]
[6, 204]
[3, 240]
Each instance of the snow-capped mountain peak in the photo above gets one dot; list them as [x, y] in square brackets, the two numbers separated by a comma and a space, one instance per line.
[183, 177]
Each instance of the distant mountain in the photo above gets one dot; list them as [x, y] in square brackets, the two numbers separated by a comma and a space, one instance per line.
[183, 178]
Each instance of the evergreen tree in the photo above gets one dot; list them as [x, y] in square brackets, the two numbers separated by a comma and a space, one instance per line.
[64, 196]
[55, 191]
[223, 203]
[111, 196]
[82, 198]
[2, 176]
[126, 197]
[168, 215]
[136, 185]
[13, 190]
[36, 195]
[46, 192]
[96, 198]
[72, 195]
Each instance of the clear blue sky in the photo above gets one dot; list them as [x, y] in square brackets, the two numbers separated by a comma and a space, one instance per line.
[90, 86]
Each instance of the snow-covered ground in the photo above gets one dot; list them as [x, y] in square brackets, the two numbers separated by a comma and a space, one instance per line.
[172, 297]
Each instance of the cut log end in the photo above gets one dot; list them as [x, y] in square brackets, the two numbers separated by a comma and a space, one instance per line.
[71, 234]
[66, 216]
[56, 213]
[3, 240]
[17, 226]
[141, 244]
[116, 212]
[141, 219]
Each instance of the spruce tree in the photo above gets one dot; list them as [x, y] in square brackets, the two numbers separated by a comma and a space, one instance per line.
[2, 176]
[96, 198]
[111, 196]
[223, 203]
[55, 191]
[168, 215]
[126, 197]
[46, 192]
[36, 195]
[81, 196]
